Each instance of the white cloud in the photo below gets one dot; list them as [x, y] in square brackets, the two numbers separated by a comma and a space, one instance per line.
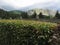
[24, 3]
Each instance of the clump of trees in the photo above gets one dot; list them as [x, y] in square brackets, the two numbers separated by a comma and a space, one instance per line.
[23, 15]
[10, 15]
[33, 16]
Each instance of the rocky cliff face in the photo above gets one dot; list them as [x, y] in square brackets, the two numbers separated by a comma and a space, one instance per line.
[43, 11]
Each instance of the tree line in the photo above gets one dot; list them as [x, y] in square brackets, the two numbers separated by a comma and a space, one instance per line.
[9, 15]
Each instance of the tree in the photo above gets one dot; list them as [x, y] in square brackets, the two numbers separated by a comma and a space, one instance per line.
[41, 15]
[24, 15]
[57, 15]
[34, 15]
[3, 13]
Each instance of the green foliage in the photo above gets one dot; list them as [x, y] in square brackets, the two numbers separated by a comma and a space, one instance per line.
[41, 15]
[24, 15]
[8, 15]
[24, 33]
[33, 16]
[57, 15]
[15, 14]
[12, 14]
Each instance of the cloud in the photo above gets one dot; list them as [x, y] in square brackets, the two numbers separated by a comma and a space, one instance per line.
[16, 4]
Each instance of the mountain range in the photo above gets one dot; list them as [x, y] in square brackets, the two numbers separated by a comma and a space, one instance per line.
[45, 12]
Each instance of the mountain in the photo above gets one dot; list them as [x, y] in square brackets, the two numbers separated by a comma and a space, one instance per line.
[16, 13]
[45, 12]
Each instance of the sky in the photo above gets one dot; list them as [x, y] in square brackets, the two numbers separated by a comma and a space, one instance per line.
[17, 4]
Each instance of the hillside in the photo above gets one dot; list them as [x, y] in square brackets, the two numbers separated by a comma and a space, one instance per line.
[16, 12]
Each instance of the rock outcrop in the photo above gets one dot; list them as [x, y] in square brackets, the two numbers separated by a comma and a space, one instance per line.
[43, 11]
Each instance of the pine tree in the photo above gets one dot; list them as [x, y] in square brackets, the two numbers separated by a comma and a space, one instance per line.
[57, 15]
[34, 15]
[40, 15]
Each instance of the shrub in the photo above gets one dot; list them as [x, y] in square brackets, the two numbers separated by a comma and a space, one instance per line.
[18, 33]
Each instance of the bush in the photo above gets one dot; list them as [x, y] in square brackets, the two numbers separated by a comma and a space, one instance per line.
[18, 33]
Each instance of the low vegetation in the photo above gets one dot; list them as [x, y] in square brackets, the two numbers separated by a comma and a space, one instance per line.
[25, 32]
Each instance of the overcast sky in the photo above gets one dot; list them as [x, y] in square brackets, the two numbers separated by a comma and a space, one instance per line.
[16, 4]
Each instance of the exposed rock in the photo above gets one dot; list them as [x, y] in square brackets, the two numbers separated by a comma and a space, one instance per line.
[43, 11]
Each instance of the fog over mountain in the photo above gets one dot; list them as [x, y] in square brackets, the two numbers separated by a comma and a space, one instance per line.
[48, 5]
